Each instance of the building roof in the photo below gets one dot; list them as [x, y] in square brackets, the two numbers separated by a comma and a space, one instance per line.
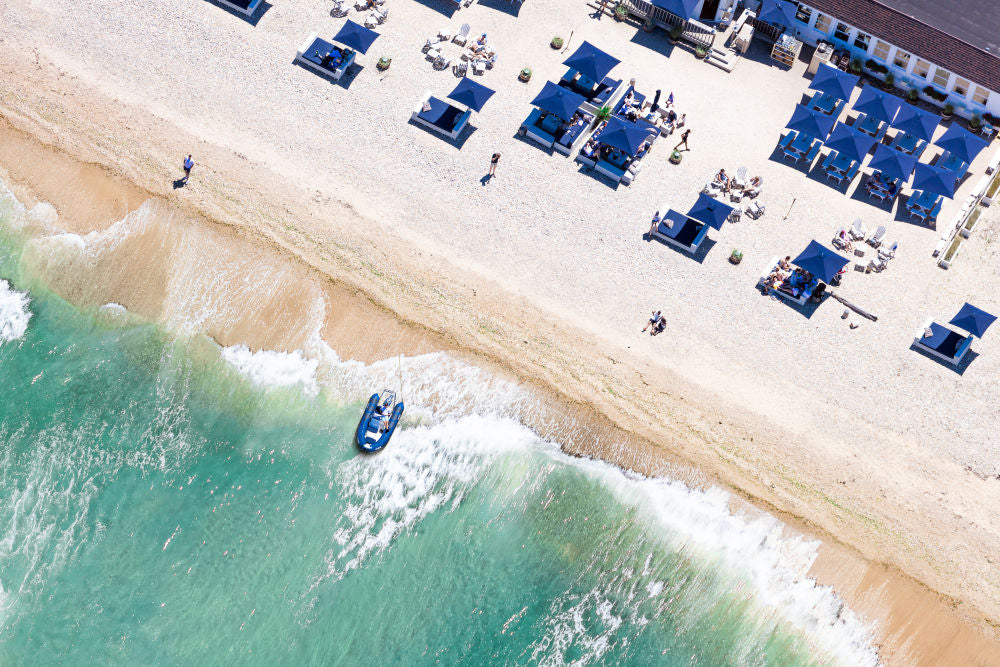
[952, 35]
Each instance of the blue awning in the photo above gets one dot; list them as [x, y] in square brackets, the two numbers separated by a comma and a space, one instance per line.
[959, 141]
[681, 8]
[892, 163]
[558, 100]
[810, 123]
[831, 81]
[850, 143]
[934, 180]
[820, 261]
[471, 93]
[973, 320]
[711, 211]
[591, 62]
[623, 135]
[777, 12]
[356, 36]
[917, 122]
[877, 104]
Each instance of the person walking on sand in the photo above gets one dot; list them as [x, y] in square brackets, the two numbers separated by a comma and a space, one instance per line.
[493, 164]
[684, 140]
[653, 320]
[188, 163]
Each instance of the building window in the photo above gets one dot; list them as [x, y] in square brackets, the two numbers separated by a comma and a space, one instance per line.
[901, 59]
[980, 96]
[842, 32]
[941, 77]
[803, 14]
[921, 68]
[961, 87]
[823, 23]
[862, 40]
[881, 50]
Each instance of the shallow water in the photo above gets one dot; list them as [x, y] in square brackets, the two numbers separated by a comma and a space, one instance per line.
[168, 501]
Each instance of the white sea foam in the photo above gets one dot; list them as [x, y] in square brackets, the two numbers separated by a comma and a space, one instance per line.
[265, 368]
[14, 313]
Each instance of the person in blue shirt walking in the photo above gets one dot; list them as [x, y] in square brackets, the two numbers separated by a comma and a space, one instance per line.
[188, 163]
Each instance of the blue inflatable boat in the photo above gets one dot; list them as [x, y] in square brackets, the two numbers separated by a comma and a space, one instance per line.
[379, 421]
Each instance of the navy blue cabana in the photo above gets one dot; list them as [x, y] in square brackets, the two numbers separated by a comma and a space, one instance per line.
[831, 81]
[877, 104]
[916, 122]
[810, 123]
[591, 62]
[820, 261]
[892, 163]
[777, 12]
[973, 320]
[960, 142]
[849, 143]
[711, 211]
[355, 36]
[623, 135]
[934, 180]
[557, 100]
[471, 93]
[682, 8]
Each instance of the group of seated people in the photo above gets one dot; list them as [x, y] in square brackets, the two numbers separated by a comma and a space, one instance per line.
[595, 150]
[875, 183]
[726, 183]
[481, 50]
[335, 58]
[791, 280]
[633, 109]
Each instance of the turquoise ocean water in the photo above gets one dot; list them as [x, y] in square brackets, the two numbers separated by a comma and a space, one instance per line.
[166, 501]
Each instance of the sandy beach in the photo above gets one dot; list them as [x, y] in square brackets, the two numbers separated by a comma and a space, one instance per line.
[542, 271]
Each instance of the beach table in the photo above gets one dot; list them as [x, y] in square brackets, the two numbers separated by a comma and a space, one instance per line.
[823, 102]
[906, 142]
[954, 163]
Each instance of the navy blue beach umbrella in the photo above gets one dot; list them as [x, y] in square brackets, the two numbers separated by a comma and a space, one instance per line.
[471, 93]
[973, 320]
[558, 100]
[917, 122]
[834, 82]
[810, 123]
[355, 36]
[820, 261]
[777, 12]
[623, 135]
[959, 141]
[849, 142]
[591, 62]
[710, 210]
[877, 104]
[935, 180]
[681, 8]
[892, 163]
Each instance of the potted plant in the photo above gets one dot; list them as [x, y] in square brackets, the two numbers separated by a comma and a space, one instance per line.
[602, 114]
[736, 256]
[556, 43]
[648, 24]
[947, 110]
[856, 66]
[674, 34]
[975, 122]
[525, 74]
[621, 11]
[700, 51]
[913, 95]
[383, 63]
[675, 157]
[888, 81]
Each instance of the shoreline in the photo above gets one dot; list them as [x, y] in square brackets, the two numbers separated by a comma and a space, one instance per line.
[913, 621]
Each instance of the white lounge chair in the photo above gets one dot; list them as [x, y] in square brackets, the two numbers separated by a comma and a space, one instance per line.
[442, 63]
[444, 34]
[839, 242]
[433, 53]
[381, 15]
[742, 178]
[340, 8]
[462, 36]
[461, 68]
[857, 230]
[478, 66]
[371, 21]
[755, 209]
[361, 5]
[876, 239]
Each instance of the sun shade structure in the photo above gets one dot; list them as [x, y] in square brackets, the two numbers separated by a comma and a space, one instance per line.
[973, 320]
[831, 81]
[934, 180]
[557, 100]
[777, 12]
[960, 142]
[471, 93]
[878, 105]
[356, 37]
[849, 143]
[591, 62]
[623, 135]
[892, 163]
[917, 122]
[820, 261]
[810, 123]
[710, 211]
[681, 8]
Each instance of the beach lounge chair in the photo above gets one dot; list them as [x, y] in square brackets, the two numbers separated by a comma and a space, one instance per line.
[444, 34]
[442, 63]
[442, 117]
[340, 8]
[876, 239]
[839, 242]
[681, 231]
[742, 178]
[371, 20]
[381, 15]
[478, 66]
[857, 230]
[462, 36]
[361, 5]
[755, 209]
[461, 68]
[942, 342]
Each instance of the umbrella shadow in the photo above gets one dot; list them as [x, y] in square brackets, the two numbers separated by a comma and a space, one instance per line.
[598, 176]
[654, 41]
[698, 255]
[511, 7]
[345, 80]
[446, 7]
[525, 139]
[958, 369]
[252, 19]
[806, 309]
[457, 142]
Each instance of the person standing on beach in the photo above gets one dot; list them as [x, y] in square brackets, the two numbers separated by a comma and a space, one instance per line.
[493, 164]
[684, 140]
[188, 163]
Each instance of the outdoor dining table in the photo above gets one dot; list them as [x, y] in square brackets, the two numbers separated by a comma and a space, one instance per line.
[906, 142]
[841, 163]
[924, 203]
[952, 162]
[800, 144]
[823, 102]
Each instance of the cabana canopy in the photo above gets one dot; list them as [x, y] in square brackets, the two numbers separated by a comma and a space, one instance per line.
[355, 36]
[934, 180]
[623, 135]
[471, 93]
[681, 8]
[711, 211]
[820, 261]
[849, 142]
[917, 122]
[777, 12]
[877, 104]
[831, 81]
[959, 141]
[892, 163]
[973, 320]
[558, 100]
[810, 123]
[591, 62]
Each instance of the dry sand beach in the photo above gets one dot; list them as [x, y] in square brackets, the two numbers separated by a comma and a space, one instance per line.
[890, 456]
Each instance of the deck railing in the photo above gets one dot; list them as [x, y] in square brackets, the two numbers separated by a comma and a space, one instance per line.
[694, 31]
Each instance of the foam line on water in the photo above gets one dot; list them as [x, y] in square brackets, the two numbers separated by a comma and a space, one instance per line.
[14, 313]
[265, 368]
